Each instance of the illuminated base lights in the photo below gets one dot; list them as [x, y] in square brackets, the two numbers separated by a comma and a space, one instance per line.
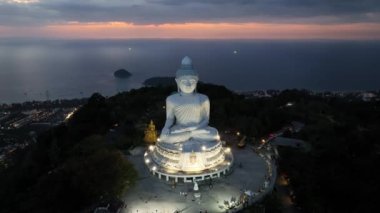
[171, 171]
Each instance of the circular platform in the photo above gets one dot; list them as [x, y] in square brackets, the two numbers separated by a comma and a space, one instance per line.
[168, 171]
[150, 194]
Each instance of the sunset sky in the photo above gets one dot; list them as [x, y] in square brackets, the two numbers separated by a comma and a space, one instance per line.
[195, 19]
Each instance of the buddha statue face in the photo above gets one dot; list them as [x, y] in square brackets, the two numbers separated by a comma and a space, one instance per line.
[187, 84]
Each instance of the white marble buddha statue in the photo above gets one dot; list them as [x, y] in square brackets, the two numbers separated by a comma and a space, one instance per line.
[187, 112]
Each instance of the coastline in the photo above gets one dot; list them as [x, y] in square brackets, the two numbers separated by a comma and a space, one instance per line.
[365, 95]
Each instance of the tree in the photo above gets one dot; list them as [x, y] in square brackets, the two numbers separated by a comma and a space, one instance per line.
[93, 171]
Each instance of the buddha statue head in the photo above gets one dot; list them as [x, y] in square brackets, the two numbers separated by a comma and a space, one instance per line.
[186, 77]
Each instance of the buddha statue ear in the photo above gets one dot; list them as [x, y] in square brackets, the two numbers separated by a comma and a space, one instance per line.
[176, 81]
[178, 89]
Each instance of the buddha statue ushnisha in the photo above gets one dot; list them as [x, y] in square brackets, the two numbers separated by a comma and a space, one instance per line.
[187, 112]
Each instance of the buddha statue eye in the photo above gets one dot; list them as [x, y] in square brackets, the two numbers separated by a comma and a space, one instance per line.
[192, 81]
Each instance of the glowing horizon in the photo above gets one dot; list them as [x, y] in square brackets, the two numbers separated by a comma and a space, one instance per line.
[125, 30]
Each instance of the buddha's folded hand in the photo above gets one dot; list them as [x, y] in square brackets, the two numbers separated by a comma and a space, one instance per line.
[200, 131]
[181, 129]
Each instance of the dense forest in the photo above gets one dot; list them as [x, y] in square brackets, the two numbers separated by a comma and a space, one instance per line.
[82, 162]
[339, 173]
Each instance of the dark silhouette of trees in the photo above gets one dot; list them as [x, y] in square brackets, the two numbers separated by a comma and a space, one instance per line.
[79, 163]
[70, 167]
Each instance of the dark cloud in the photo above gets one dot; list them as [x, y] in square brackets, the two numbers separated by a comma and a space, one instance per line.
[178, 11]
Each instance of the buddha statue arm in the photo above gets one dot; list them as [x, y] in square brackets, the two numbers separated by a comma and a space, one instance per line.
[169, 118]
[167, 134]
[205, 114]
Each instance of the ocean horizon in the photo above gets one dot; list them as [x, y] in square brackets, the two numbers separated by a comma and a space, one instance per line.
[66, 69]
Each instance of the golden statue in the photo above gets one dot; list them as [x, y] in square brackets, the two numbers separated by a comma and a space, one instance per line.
[150, 133]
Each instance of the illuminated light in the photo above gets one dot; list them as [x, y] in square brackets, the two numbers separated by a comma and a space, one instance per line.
[238, 133]
[204, 148]
[170, 171]
[151, 147]
[69, 115]
[147, 161]
[145, 154]
[154, 168]
[263, 141]
[158, 140]
[218, 137]
[228, 150]
[228, 163]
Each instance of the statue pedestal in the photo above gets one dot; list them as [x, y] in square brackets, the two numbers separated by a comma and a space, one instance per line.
[191, 156]
[180, 163]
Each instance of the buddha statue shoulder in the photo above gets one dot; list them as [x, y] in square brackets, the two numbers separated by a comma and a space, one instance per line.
[187, 112]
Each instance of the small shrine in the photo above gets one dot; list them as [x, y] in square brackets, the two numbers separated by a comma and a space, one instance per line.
[150, 133]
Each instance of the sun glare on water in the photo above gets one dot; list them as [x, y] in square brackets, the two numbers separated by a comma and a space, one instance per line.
[23, 1]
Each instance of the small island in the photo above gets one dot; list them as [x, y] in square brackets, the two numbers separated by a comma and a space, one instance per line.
[122, 73]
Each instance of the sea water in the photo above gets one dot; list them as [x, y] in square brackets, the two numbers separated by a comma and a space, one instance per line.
[63, 69]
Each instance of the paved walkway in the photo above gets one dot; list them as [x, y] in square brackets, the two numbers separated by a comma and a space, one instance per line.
[151, 195]
[291, 142]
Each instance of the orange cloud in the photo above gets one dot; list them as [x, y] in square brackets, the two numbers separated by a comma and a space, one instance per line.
[123, 30]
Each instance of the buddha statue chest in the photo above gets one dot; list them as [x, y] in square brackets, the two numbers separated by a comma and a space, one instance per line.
[188, 111]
